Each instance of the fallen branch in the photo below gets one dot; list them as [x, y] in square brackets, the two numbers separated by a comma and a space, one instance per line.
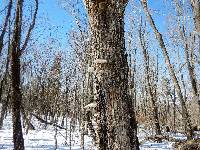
[46, 122]
[157, 137]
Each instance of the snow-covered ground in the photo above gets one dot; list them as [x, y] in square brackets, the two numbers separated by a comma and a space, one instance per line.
[41, 139]
[157, 146]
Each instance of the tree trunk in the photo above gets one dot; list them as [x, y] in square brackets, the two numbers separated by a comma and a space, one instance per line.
[4, 83]
[4, 108]
[196, 13]
[15, 78]
[16, 104]
[5, 25]
[185, 115]
[190, 64]
[117, 128]
[173, 98]
[153, 97]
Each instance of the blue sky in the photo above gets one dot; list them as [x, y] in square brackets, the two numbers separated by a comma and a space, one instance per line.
[62, 20]
[60, 17]
[57, 15]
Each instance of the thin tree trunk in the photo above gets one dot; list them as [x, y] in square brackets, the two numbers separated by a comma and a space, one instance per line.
[153, 97]
[191, 71]
[5, 25]
[82, 143]
[70, 134]
[185, 115]
[4, 108]
[1, 89]
[174, 110]
[56, 133]
[196, 13]
[66, 127]
[4, 83]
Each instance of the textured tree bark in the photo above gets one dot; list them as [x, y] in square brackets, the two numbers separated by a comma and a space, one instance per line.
[15, 78]
[185, 115]
[117, 128]
[16, 104]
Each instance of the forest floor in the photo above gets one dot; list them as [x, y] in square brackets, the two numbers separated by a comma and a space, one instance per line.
[41, 139]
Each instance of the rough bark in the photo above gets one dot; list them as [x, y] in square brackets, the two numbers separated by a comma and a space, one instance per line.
[116, 121]
[15, 78]
[185, 115]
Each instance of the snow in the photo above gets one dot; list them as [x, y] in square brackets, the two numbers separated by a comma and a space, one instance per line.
[156, 146]
[90, 69]
[151, 145]
[178, 136]
[41, 139]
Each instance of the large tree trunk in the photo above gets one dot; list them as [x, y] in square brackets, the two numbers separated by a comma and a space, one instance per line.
[185, 115]
[116, 119]
[15, 77]
[16, 105]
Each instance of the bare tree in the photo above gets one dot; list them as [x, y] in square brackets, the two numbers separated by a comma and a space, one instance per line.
[16, 52]
[188, 49]
[185, 115]
[5, 25]
[150, 89]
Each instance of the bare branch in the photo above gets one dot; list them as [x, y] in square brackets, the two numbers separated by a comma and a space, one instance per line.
[185, 115]
[30, 29]
[5, 25]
